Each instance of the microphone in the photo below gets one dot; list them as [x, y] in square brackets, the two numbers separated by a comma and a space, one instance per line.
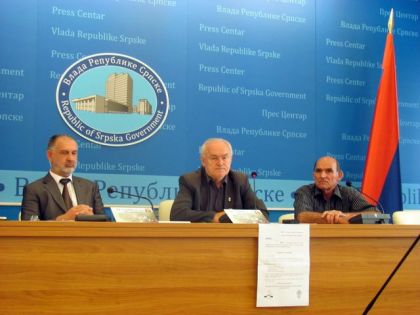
[254, 176]
[369, 306]
[112, 190]
[350, 184]
[369, 218]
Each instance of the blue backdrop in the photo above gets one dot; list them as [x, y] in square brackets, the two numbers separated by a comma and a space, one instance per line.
[285, 81]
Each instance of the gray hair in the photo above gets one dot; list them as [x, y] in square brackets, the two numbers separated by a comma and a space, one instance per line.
[203, 148]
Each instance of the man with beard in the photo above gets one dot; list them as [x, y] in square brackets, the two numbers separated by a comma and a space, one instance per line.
[60, 195]
[325, 201]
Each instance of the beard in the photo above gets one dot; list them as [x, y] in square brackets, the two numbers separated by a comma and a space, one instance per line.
[68, 170]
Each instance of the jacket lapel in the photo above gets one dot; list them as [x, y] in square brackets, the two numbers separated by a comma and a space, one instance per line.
[80, 191]
[229, 193]
[52, 188]
[204, 189]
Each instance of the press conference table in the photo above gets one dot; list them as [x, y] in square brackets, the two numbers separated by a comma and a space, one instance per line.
[131, 268]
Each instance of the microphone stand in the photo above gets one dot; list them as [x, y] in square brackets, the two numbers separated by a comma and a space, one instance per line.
[112, 190]
[349, 184]
[369, 306]
[368, 218]
[254, 176]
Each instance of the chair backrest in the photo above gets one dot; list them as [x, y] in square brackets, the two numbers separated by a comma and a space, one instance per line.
[165, 210]
[288, 216]
[406, 217]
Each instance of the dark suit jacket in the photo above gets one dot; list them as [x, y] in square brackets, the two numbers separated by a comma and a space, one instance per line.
[191, 201]
[43, 198]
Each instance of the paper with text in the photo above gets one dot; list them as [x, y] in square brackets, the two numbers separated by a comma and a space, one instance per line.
[283, 265]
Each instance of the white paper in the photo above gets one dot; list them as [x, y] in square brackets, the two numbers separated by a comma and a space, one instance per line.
[246, 216]
[125, 214]
[283, 265]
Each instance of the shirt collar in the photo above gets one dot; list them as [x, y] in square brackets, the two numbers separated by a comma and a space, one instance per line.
[58, 177]
[337, 192]
[210, 180]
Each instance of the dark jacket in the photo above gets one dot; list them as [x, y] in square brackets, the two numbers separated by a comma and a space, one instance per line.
[43, 198]
[191, 201]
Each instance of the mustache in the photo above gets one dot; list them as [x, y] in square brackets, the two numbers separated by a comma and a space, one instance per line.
[72, 166]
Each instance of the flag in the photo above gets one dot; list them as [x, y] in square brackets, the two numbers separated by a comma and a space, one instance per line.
[382, 178]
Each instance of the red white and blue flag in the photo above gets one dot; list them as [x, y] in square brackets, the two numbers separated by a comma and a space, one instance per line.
[382, 178]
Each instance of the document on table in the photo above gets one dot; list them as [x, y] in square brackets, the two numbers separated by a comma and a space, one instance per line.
[127, 214]
[283, 265]
[246, 216]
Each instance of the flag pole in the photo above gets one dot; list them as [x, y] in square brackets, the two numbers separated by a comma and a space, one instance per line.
[391, 22]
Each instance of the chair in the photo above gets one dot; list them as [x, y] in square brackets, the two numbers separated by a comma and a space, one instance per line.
[165, 210]
[288, 216]
[406, 217]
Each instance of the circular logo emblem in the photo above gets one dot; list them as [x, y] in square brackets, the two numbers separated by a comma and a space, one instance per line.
[112, 99]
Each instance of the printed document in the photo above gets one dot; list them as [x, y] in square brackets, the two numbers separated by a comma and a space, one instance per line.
[283, 265]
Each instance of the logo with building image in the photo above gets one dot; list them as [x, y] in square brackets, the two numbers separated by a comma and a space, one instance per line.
[112, 99]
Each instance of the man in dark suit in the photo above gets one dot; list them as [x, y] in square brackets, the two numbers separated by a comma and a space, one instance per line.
[60, 195]
[203, 195]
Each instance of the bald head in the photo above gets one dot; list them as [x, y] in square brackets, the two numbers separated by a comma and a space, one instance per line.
[328, 159]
